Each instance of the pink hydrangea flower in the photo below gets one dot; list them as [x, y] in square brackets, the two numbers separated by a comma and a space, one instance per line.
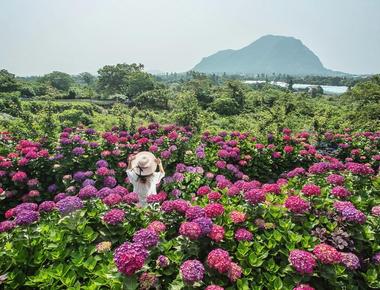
[327, 254]
[302, 261]
[217, 233]
[296, 204]
[219, 260]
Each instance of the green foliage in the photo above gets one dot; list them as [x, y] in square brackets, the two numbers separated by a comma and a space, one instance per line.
[8, 82]
[187, 111]
[154, 99]
[225, 106]
[124, 79]
[58, 80]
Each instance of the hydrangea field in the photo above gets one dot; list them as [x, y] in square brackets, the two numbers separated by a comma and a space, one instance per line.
[293, 210]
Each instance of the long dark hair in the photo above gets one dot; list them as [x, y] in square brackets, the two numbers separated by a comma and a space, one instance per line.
[144, 178]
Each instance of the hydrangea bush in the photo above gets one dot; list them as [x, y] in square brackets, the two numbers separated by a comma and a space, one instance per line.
[294, 211]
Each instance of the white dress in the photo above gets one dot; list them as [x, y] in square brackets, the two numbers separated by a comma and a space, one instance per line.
[147, 188]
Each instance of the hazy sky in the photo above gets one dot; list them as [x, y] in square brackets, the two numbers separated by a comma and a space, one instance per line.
[39, 36]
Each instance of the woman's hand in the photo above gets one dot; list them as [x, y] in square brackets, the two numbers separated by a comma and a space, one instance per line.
[131, 157]
[158, 161]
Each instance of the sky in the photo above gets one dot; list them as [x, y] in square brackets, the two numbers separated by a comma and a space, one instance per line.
[40, 36]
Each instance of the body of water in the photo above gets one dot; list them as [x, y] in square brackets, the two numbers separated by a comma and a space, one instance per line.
[328, 90]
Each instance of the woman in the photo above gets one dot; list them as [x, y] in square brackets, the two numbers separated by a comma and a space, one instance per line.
[142, 174]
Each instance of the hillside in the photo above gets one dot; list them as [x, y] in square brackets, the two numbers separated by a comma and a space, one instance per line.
[268, 54]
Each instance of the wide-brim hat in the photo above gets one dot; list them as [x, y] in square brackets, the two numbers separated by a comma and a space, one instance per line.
[144, 163]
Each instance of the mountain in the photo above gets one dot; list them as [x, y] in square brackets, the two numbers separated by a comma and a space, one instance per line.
[269, 54]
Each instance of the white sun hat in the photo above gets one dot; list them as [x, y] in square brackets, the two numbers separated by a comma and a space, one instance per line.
[144, 163]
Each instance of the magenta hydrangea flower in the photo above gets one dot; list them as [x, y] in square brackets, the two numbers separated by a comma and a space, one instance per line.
[87, 192]
[214, 287]
[203, 190]
[192, 271]
[191, 230]
[375, 211]
[327, 254]
[195, 212]
[214, 195]
[219, 260]
[6, 226]
[233, 190]
[114, 216]
[234, 272]
[47, 206]
[146, 237]
[376, 258]
[238, 217]
[157, 226]
[131, 198]
[60, 196]
[340, 191]
[350, 261]
[217, 233]
[162, 261]
[243, 235]
[303, 287]
[214, 210]
[112, 199]
[19, 176]
[130, 257]
[271, 188]
[295, 172]
[26, 217]
[335, 179]
[359, 169]
[147, 281]
[311, 189]
[302, 261]
[296, 204]
[255, 196]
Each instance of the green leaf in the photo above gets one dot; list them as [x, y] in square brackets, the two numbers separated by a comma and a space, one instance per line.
[277, 284]
[130, 283]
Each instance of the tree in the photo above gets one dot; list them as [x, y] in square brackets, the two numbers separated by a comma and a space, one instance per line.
[236, 92]
[201, 87]
[59, 80]
[126, 79]
[8, 82]
[87, 78]
[154, 99]
[187, 110]
[225, 106]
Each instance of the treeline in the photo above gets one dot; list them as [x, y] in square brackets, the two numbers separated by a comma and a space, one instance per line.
[43, 105]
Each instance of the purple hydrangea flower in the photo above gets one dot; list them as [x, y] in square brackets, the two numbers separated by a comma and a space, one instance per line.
[146, 237]
[101, 163]
[109, 181]
[162, 261]
[192, 271]
[114, 216]
[87, 192]
[205, 223]
[78, 151]
[130, 257]
[26, 217]
[351, 261]
[46, 206]
[69, 204]
[6, 226]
